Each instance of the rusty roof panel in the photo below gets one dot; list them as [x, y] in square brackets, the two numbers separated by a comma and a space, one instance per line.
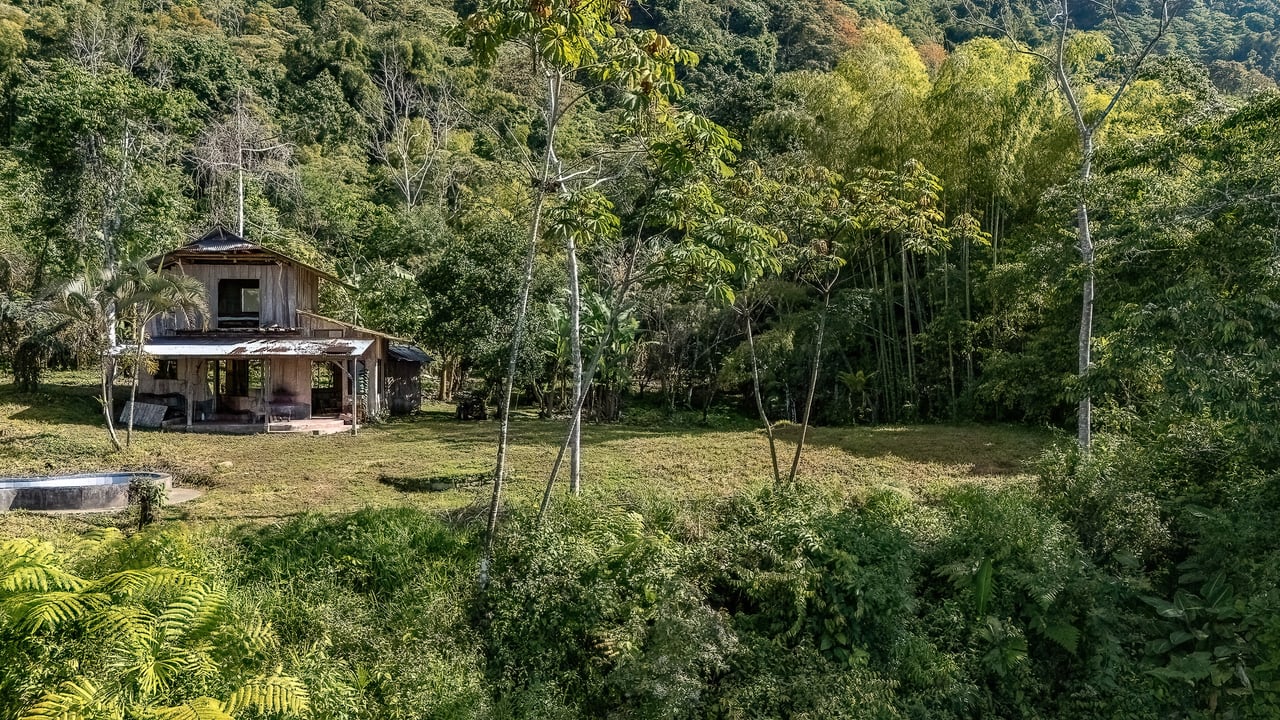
[187, 346]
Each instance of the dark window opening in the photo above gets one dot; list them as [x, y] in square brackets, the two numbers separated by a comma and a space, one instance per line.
[239, 303]
[167, 369]
[237, 382]
[326, 388]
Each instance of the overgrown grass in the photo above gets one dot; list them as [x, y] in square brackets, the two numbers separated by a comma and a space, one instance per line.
[261, 479]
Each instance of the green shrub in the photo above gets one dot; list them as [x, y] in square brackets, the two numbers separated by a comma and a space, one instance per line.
[1020, 602]
[767, 681]
[374, 605]
[593, 614]
[1108, 498]
[795, 565]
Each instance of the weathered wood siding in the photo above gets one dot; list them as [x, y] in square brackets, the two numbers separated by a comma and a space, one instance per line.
[404, 386]
[192, 378]
[283, 290]
[290, 380]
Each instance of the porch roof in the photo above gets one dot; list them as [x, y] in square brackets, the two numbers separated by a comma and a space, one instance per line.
[211, 347]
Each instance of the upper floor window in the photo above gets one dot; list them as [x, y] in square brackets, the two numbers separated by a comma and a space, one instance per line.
[239, 304]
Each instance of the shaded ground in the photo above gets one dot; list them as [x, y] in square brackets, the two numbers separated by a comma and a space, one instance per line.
[261, 478]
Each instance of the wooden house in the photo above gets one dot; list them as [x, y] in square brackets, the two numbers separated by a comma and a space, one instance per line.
[265, 359]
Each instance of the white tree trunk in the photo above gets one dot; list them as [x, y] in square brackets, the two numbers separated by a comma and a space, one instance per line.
[575, 358]
[1084, 413]
[764, 416]
[813, 384]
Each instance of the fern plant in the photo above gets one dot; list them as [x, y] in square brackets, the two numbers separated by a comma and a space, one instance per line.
[148, 642]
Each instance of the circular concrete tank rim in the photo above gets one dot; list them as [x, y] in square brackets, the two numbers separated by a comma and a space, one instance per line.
[75, 492]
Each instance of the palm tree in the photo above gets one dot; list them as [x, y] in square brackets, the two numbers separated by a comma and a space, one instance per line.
[90, 302]
[152, 294]
[95, 302]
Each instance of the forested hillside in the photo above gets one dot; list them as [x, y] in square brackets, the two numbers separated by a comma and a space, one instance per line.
[372, 142]
[1058, 214]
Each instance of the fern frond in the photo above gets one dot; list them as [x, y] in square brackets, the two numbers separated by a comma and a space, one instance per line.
[616, 526]
[96, 540]
[251, 639]
[31, 566]
[273, 694]
[199, 610]
[18, 548]
[127, 625]
[34, 577]
[201, 708]
[80, 700]
[212, 613]
[40, 612]
[145, 581]
[199, 662]
[1065, 635]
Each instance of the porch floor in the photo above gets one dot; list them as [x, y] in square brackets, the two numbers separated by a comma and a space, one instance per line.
[311, 426]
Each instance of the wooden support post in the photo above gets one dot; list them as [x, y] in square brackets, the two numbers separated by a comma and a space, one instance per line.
[355, 394]
[374, 380]
[266, 405]
[192, 379]
[343, 379]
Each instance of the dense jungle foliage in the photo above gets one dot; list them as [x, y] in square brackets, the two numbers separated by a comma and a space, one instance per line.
[808, 211]
[786, 603]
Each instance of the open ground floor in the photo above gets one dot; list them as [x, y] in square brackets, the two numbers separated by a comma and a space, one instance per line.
[273, 385]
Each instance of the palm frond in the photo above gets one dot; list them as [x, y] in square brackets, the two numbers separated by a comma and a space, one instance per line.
[154, 671]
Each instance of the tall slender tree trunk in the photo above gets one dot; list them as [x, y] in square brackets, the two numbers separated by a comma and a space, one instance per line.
[813, 383]
[764, 416]
[133, 390]
[906, 329]
[589, 376]
[550, 172]
[240, 196]
[108, 398]
[504, 399]
[575, 359]
[1084, 413]
[576, 418]
[1086, 132]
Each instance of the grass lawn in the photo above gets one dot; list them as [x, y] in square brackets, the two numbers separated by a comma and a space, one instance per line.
[274, 477]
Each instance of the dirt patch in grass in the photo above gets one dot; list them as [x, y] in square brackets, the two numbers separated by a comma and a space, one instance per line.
[435, 483]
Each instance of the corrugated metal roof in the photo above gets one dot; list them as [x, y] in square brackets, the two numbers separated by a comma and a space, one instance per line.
[408, 353]
[220, 242]
[252, 347]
